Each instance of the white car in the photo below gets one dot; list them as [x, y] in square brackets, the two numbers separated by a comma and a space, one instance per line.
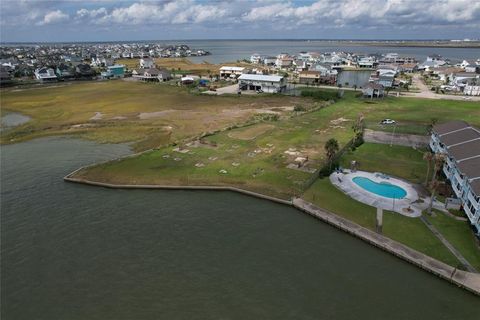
[387, 121]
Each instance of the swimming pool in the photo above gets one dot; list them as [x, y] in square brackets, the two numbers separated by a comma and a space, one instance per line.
[383, 189]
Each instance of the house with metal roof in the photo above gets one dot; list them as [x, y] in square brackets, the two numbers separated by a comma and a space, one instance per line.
[460, 142]
[262, 83]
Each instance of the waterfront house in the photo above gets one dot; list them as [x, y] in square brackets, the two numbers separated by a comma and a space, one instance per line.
[265, 83]
[256, 58]
[460, 143]
[231, 72]
[45, 74]
[269, 61]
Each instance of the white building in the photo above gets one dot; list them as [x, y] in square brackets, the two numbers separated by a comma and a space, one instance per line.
[265, 83]
[256, 58]
[231, 72]
[460, 142]
[147, 63]
[45, 74]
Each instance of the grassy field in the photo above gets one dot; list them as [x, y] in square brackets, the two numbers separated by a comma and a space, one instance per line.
[254, 158]
[148, 114]
[459, 234]
[399, 161]
[182, 65]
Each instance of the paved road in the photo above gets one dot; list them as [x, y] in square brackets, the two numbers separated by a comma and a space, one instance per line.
[426, 93]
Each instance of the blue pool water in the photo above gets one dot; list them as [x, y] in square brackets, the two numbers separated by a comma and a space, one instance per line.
[383, 189]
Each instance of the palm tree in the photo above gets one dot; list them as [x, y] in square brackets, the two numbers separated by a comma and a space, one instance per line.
[428, 156]
[438, 160]
[331, 147]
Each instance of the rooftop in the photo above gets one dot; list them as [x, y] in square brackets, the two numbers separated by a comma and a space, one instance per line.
[260, 77]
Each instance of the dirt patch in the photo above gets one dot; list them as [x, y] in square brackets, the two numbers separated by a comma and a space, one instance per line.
[152, 115]
[97, 116]
[339, 121]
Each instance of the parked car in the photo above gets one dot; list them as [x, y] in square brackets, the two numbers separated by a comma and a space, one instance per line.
[387, 121]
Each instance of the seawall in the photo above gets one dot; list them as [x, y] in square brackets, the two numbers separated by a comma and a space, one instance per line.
[466, 280]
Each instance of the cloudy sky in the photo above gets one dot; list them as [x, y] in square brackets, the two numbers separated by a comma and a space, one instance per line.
[99, 20]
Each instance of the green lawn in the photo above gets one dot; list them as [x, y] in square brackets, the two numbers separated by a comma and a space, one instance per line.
[459, 234]
[399, 161]
[409, 231]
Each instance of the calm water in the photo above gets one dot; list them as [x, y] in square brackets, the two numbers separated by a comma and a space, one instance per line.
[232, 50]
[77, 252]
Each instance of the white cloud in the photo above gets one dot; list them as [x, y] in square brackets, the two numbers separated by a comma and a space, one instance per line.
[56, 16]
[274, 15]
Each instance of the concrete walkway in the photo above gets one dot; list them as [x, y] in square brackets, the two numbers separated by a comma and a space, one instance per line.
[449, 246]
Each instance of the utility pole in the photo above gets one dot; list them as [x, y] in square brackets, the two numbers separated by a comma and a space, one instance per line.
[379, 220]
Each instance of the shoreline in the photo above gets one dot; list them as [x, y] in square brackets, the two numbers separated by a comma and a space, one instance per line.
[466, 280]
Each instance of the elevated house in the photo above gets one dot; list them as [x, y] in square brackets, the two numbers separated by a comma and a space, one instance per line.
[265, 83]
[256, 58]
[147, 63]
[152, 74]
[313, 77]
[115, 71]
[65, 71]
[45, 74]
[373, 90]
[460, 143]
[231, 72]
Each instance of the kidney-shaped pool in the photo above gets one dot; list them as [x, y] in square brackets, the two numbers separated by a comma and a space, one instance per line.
[383, 189]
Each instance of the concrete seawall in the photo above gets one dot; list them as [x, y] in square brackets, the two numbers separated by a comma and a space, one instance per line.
[466, 280]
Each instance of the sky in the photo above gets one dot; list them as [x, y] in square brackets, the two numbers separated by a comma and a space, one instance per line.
[108, 20]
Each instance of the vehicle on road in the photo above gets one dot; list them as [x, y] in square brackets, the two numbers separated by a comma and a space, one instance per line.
[387, 121]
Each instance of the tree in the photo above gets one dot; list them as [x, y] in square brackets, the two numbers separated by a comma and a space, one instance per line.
[331, 147]
[428, 156]
[438, 160]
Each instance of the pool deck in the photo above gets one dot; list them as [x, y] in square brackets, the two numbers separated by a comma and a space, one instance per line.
[406, 206]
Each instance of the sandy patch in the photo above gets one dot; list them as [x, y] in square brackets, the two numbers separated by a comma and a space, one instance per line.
[152, 115]
[97, 116]
[339, 121]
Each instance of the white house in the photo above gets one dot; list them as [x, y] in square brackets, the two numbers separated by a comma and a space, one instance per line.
[265, 83]
[231, 72]
[45, 74]
[147, 63]
[256, 58]
[460, 142]
[269, 61]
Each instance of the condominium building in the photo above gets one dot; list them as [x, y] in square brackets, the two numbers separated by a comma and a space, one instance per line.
[460, 142]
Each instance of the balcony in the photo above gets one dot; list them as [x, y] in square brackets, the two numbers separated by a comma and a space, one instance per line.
[471, 197]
